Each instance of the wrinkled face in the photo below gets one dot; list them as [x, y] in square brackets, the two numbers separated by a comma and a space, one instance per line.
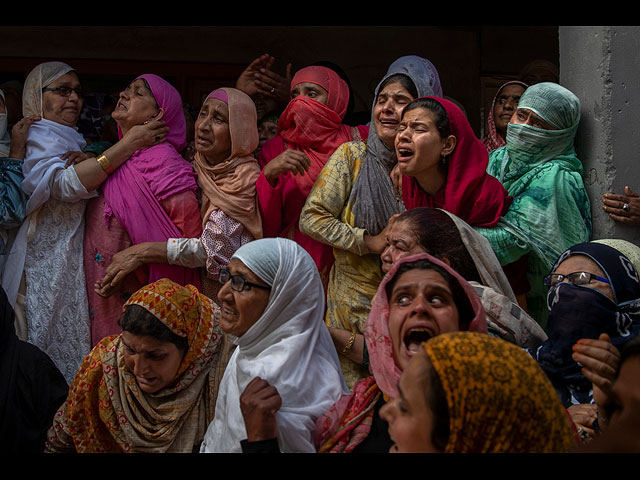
[388, 110]
[310, 90]
[240, 310]
[421, 306]
[524, 116]
[419, 146]
[213, 137]
[409, 416]
[59, 109]
[135, 106]
[582, 263]
[506, 104]
[154, 362]
[401, 242]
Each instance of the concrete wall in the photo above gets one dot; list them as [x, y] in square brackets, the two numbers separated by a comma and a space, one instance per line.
[599, 64]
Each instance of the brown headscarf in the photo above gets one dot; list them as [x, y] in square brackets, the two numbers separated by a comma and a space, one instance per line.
[230, 185]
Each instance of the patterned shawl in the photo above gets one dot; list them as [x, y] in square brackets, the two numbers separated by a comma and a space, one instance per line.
[107, 412]
[348, 422]
[499, 400]
[373, 185]
[230, 185]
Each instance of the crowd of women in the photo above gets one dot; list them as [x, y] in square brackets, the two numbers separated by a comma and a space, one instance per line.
[280, 277]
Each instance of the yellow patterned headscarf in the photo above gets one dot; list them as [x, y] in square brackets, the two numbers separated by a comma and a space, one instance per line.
[499, 399]
[107, 412]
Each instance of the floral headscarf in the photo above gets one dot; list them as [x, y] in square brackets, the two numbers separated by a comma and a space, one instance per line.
[106, 411]
[499, 400]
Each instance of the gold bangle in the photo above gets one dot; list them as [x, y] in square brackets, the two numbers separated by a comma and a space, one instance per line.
[105, 164]
[349, 344]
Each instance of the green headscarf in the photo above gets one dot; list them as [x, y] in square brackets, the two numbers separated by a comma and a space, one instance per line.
[540, 169]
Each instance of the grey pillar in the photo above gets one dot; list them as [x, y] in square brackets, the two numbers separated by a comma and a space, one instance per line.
[600, 64]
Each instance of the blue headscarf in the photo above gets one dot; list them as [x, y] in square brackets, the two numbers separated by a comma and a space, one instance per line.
[577, 312]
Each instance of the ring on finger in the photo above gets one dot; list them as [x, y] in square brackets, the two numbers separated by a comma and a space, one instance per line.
[273, 89]
[157, 137]
[625, 207]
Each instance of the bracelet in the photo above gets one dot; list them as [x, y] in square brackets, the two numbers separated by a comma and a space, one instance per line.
[104, 162]
[349, 344]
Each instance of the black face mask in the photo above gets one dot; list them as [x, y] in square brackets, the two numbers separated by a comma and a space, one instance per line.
[577, 312]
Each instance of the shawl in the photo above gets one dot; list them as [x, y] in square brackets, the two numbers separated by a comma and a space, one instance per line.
[230, 185]
[493, 139]
[289, 346]
[31, 389]
[314, 128]
[540, 170]
[349, 420]
[134, 191]
[577, 312]
[499, 400]
[373, 185]
[107, 412]
[469, 191]
[5, 138]
[41, 76]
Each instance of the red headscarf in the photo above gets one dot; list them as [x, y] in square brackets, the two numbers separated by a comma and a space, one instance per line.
[469, 192]
[313, 127]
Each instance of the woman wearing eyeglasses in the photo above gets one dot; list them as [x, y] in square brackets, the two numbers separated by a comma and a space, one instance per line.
[272, 303]
[44, 276]
[594, 290]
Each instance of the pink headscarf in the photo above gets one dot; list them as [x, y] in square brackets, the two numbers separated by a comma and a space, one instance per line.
[134, 191]
[349, 420]
[376, 330]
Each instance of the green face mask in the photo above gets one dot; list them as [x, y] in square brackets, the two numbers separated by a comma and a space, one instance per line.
[532, 145]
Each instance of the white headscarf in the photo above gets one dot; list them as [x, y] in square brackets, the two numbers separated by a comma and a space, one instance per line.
[289, 346]
[46, 142]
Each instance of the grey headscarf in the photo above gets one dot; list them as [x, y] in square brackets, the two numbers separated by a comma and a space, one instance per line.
[373, 185]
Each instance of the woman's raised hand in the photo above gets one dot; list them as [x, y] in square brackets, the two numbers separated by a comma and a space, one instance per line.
[146, 135]
[292, 161]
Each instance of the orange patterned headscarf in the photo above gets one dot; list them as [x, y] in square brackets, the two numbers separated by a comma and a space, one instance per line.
[107, 412]
[499, 399]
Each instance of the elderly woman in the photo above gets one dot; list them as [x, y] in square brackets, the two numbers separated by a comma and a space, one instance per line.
[226, 134]
[594, 290]
[150, 198]
[309, 131]
[502, 108]
[465, 392]
[353, 199]
[149, 389]
[419, 298]
[539, 168]
[272, 303]
[44, 276]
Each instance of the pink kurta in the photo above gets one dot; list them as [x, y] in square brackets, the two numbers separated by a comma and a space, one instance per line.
[102, 241]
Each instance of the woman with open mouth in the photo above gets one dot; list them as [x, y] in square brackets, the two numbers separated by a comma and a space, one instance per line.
[352, 201]
[465, 392]
[418, 299]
